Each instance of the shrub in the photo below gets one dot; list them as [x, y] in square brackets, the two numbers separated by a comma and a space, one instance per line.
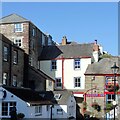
[20, 115]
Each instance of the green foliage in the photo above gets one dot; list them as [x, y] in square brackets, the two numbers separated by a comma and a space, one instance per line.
[84, 104]
[105, 55]
[109, 106]
[20, 115]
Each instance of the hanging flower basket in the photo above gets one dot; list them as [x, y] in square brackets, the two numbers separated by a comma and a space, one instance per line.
[110, 87]
[94, 105]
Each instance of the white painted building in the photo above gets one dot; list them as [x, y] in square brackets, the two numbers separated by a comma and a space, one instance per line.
[64, 103]
[25, 100]
[33, 104]
[67, 64]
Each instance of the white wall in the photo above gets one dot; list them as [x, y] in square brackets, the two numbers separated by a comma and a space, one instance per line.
[71, 107]
[69, 72]
[23, 107]
[54, 111]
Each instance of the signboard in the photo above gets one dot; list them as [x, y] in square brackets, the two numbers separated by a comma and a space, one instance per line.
[95, 95]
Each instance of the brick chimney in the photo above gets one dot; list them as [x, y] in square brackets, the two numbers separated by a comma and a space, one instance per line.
[64, 40]
[96, 51]
[95, 46]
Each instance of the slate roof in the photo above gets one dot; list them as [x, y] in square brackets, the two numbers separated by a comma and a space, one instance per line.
[63, 99]
[103, 66]
[66, 51]
[43, 97]
[12, 18]
[27, 95]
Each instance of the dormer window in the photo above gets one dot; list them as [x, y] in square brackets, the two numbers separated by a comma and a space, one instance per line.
[57, 96]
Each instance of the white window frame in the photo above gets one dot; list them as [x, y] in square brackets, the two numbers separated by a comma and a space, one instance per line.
[38, 110]
[14, 82]
[33, 32]
[5, 53]
[49, 83]
[18, 42]
[111, 98]
[77, 82]
[9, 106]
[60, 111]
[15, 56]
[58, 82]
[18, 27]
[5, 77]
[54, 65]
[43, 39]
[77, 63]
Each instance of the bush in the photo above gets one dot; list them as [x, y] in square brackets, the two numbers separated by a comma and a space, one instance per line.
[20, 115]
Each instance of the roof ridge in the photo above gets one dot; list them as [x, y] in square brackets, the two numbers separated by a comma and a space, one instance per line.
[6, 16]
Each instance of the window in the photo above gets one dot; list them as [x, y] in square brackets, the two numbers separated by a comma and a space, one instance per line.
[18, 27]
[30, 61]
[77, 82]
[38, 110]
[54, 65]
[14, 80]
[110, 98]
[43, 39]
[50, 83]
[33, 32]
[6, 108]
[15, 57]
[59, 111]
[47, 107]
[18, 42]
[57, 96]
[58, 82]
[5, 54]
[76, 63]
[5, 77]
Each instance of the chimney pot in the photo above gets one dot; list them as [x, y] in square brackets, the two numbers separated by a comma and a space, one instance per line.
[64, 40]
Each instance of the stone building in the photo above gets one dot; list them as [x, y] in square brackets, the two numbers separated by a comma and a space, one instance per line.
[26, 35]
[11, 62]
[97, 78]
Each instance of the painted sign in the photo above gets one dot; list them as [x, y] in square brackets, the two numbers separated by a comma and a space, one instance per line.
[95, 95]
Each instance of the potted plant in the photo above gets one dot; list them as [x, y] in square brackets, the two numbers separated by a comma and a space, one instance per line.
[110, 87]
[96, 106]
[20, 116]
[109, 106]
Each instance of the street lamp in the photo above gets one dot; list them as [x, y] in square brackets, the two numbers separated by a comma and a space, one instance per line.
[115, 69]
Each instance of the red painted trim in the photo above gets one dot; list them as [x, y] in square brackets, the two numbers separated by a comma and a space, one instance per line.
[62, 73]
[78, 92]
[111, 93]
[71, 57]
[102, 74]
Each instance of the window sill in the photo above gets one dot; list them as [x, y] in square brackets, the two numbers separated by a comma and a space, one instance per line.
[38, 114]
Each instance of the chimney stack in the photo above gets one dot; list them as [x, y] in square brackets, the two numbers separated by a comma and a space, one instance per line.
[64, 40]
[95, 46]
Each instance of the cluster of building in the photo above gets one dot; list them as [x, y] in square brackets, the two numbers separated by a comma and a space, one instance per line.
[52, 80]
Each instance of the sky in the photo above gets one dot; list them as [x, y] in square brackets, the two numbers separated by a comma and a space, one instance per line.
[82, 22]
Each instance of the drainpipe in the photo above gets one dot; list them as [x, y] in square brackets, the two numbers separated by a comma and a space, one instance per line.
[62, 73]
[10, 66]
[51, 112]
